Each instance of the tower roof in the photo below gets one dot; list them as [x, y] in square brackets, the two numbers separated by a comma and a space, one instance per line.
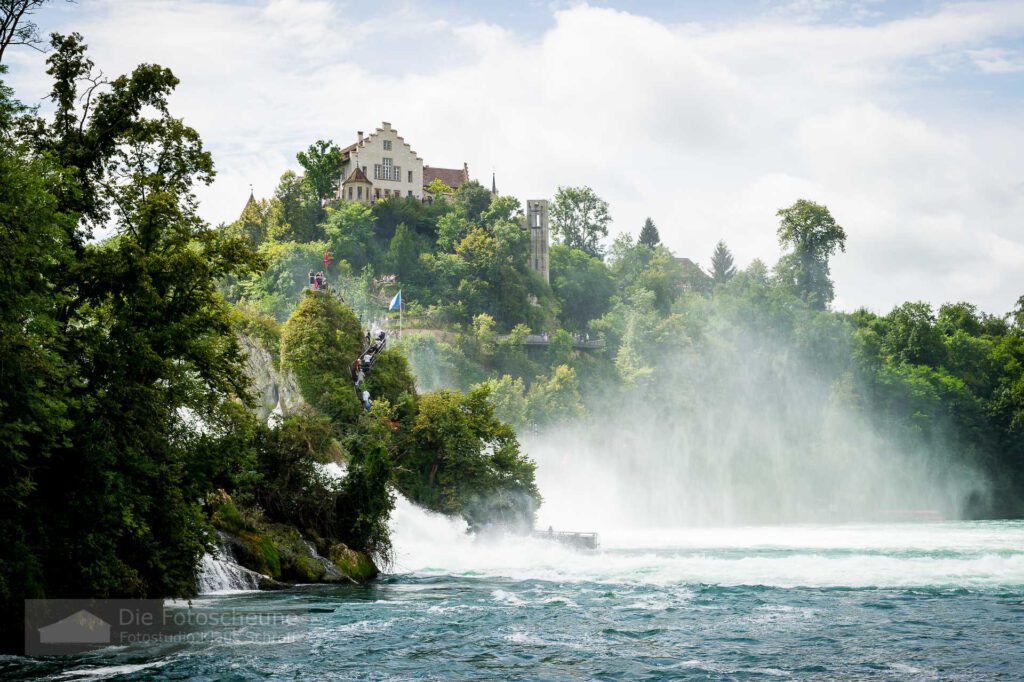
[357, 176]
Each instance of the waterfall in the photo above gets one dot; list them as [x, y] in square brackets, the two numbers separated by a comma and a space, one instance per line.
[221, 573]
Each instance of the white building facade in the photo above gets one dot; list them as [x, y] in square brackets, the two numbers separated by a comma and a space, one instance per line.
[390, 165]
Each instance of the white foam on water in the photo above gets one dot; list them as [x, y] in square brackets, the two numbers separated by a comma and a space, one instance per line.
[944, 555]
[221, 575]
[111, 671]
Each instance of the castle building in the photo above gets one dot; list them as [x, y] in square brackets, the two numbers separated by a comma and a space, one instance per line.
[382, 165]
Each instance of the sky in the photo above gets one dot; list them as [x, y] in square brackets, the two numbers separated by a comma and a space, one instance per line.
[904, 117]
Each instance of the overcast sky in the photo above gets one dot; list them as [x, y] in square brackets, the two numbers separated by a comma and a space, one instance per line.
[904, 118]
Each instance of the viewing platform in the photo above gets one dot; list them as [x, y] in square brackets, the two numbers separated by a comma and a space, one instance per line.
[573, 539]
[577, 342]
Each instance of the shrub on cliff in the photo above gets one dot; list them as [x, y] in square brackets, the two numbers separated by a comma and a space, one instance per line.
[391, 377]
[318, 343]
[457, 457]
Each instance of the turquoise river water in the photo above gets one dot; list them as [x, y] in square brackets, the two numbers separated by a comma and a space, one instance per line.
[882, 601]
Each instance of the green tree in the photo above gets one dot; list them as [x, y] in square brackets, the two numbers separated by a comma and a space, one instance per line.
[391, 378]
[556, 398]
[350, 229]
[649, 234]
[299, 212]
[814, 236]
[912, 337]
[319, 342]
[471, 200]
[582, 284]
[960, 316]
[437, 188]
[458, 458]
[36, 379]
[253, 223]
[508, 395]
[322, 163]
[276, 290]
[403, 253]
[146, 347]
[580, 218]
[722, 268]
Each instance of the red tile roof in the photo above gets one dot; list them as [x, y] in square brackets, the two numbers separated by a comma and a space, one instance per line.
[453, 177]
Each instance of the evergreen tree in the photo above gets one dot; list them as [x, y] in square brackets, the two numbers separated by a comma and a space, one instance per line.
[649, 234]
[403, 254]
[722, 268]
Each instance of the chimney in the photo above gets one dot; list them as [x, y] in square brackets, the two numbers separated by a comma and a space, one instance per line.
[360, 135]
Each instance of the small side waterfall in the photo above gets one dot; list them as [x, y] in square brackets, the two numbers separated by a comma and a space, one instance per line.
[221, 573]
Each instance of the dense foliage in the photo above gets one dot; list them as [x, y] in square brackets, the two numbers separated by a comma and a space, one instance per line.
[113, 351]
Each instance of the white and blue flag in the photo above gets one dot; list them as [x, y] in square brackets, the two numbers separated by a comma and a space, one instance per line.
[396, 302]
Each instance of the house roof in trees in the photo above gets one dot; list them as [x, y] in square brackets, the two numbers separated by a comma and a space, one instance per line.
[357, 176]
[453, 177]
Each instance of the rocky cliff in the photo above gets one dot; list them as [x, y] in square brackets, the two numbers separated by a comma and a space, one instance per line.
[276, 392]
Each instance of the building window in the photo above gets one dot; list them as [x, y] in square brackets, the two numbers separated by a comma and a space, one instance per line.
[410, 179]
[350, 193]
[359, 192]
[387, 145]
[410, 193]
[386, 170]
[376, 193]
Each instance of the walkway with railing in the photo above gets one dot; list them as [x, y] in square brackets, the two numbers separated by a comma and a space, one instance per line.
[578, 342]
[363, 365]
[573, 539]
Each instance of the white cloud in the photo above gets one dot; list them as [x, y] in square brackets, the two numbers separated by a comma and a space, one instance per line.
[997, 60]
[708, 129]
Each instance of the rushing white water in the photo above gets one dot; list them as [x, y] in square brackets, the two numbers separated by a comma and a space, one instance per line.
[221, 574]
[957, 554]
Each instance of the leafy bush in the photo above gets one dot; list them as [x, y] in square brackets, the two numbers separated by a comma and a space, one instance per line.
[458, 458]
[319, 342]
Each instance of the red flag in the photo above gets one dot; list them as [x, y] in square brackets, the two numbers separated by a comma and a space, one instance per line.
[327, 259]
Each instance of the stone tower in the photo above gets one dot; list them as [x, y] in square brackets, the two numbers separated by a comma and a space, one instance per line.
[537, 224]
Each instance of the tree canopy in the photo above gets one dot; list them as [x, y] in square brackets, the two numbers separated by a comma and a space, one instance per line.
[579, 219]
[814, 236]
[322, 163]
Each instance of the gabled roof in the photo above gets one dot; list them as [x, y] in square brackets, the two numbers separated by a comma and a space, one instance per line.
[453, 177]
[385, 127]
[357, 176]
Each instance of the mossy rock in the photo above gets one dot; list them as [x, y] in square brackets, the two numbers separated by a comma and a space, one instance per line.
[259, 553]
[307, 569]
[356, 565]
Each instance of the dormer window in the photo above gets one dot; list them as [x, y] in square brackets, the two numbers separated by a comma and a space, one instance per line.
[387, 145]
